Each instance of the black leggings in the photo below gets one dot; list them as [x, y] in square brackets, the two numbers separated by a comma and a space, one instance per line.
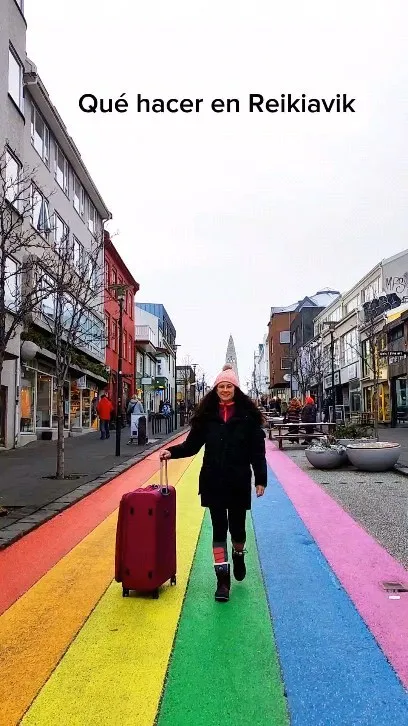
[232, 519]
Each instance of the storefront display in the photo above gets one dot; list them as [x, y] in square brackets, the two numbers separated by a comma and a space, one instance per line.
[38, 401]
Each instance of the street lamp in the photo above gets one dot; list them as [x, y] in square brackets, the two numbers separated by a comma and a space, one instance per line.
[331, 325]
[120, 291]
[194, 366]
[175, 346]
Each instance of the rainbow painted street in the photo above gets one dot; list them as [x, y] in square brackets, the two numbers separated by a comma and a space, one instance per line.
[308, 638]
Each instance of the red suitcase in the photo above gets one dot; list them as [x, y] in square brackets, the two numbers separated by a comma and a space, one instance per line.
[146, 538]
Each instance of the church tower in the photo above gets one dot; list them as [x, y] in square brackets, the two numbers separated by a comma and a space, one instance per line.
[231, 356]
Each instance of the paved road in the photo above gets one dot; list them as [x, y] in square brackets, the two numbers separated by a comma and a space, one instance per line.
[297, 643]
[400, 436]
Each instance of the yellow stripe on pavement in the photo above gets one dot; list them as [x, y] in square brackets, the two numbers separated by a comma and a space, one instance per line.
[39, 627]
[113, 672]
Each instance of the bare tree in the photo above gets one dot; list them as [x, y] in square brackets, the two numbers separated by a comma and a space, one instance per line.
[309, 366]
[73, 314]
[23, 219]
[185, 375]
[372, 338]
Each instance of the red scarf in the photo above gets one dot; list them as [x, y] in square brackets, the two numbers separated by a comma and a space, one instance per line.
[227, 410]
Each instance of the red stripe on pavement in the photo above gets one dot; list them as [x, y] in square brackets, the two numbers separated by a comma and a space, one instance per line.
[27, 560]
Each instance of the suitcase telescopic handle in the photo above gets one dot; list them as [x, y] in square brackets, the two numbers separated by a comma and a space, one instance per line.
[164, 476]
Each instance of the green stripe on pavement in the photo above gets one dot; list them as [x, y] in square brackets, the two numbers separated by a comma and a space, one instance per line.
[224, 668]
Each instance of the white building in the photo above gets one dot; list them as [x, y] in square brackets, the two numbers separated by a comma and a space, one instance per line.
[164, 384]
[260, 375]
[345, 316]
[147, 346]
[66, 208]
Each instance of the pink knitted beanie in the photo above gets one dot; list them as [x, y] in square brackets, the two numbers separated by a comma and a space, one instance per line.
[227, 375]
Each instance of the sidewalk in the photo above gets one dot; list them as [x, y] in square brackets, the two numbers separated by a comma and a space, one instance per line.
[31, 498]
[399, 436]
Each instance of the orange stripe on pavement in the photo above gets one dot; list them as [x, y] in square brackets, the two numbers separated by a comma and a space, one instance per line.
[25, 562]
[37, 629]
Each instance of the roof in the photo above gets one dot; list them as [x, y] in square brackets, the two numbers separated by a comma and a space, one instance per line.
[111, 249]
[320, 299]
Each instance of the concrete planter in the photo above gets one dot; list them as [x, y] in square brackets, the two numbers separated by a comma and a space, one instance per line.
[374, 456]
[324, 458]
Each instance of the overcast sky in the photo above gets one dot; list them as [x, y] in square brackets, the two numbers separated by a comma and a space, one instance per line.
[221, 216]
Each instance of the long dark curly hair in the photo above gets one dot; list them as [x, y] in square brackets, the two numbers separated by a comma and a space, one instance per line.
[208, 407]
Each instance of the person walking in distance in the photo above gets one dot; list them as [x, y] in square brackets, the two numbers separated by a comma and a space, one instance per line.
[104, 409]
[228, 424]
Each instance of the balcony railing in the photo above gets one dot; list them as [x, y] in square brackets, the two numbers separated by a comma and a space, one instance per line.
[144, 334]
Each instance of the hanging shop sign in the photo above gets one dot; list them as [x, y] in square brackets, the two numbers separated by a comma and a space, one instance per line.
[81, 382]
[393, 354]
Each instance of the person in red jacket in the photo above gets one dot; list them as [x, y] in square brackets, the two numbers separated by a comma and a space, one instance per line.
[104, 409]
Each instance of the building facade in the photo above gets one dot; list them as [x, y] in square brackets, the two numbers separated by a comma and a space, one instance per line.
[117, 273]
[346, 322]
[12, 140]
[165, 383]
[147, 337]
[66, 212]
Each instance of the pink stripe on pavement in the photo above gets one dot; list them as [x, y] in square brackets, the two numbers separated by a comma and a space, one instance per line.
[358, 561]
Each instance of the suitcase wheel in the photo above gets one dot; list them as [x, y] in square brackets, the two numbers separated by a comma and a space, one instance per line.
[155, 594]
[125, 592]
[173, 580]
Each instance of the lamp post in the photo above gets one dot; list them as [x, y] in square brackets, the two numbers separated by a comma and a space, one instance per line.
[120, 296]
[332, 326]
[175, 346]
[194, 366]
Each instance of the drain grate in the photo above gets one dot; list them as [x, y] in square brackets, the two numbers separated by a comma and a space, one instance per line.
[394, 586]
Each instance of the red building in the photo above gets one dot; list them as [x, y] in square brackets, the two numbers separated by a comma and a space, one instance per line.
[116, 273]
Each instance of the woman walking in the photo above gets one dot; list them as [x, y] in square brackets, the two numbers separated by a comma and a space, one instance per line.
[292, 416]
[229, 425]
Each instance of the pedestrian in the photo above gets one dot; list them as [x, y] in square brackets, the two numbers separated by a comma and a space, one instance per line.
[135, 406]
[229, 425]
[104, 409]
[292, 417]
[309, 415]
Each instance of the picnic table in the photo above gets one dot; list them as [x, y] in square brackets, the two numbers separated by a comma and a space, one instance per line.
[293, 431]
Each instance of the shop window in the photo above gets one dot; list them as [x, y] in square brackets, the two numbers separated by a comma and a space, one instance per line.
[27, 392]
[44, 397]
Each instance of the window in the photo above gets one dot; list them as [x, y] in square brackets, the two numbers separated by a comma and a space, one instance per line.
[107, 274]
[350, 346]
[61, 170]
[114, 335]
[397, 334]
[40, 135]
[61, 233]
[366, 358]
[11, 284]
[107, 329]
[12, 190]
[15, 79]
[130, 349]
[78, 254]
[285, 364]
[351, 305]
[371, 291]
[45, 286]
[40, 212]
[92, 218]
[284, 336]
[79, 197]
[124, 345]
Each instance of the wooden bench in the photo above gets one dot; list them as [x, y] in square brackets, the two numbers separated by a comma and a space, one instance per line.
[297, 437]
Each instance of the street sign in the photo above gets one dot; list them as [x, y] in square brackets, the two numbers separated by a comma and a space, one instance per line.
[393, 354]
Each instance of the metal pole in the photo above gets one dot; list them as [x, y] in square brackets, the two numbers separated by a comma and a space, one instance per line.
[119, 391]
[332, 372]
[195, 383]
[175, 387]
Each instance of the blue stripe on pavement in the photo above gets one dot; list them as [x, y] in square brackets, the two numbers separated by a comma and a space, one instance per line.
[334, 671]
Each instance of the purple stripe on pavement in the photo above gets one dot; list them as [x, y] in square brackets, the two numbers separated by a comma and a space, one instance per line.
[357, 559]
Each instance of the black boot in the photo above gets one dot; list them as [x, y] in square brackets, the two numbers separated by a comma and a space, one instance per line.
[223, 582]
[238, 559]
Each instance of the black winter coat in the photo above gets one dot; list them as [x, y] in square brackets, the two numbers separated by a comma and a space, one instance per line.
[230, 450]
[309, 413]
